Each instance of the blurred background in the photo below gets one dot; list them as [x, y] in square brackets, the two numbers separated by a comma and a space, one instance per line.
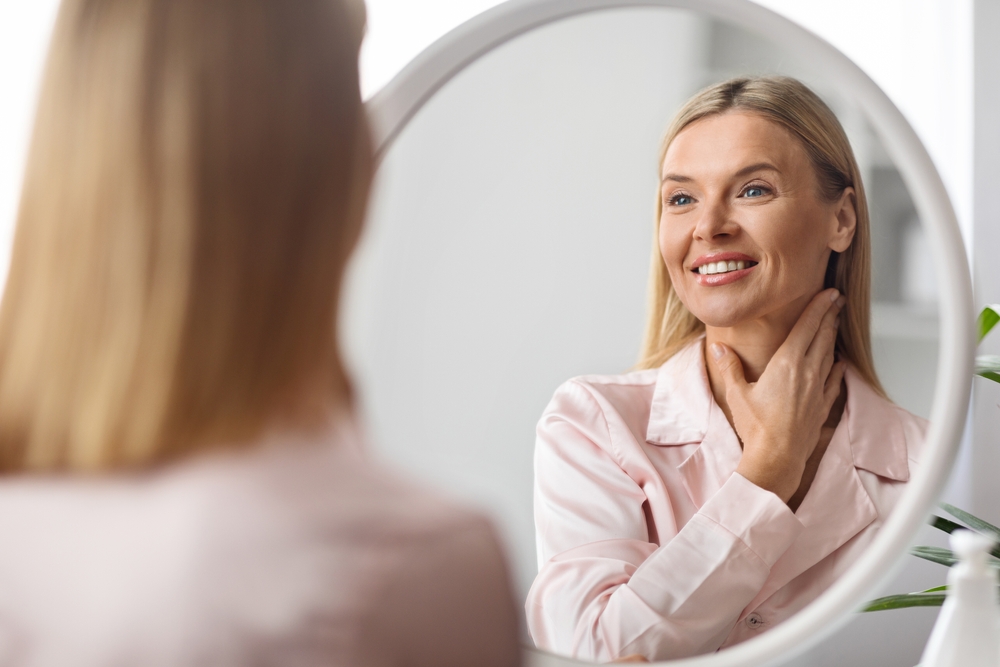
[563, 230]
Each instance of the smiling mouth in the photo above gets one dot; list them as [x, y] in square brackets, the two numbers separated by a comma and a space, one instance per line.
[713, 268]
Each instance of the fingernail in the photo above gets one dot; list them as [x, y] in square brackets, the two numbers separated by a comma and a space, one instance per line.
[834, 295]
[717, 350]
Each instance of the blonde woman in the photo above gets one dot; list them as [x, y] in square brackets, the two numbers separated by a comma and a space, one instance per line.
[701, 500]
[183, 482]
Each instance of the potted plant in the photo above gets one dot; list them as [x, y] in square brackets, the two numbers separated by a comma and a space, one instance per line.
[987, 366]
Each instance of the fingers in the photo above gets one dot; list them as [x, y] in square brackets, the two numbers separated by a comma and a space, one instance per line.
[831, 390]
[729, 365]
[821, 348]
[805, 329]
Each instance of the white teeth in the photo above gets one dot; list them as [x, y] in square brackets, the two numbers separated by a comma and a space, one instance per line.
[721, 267]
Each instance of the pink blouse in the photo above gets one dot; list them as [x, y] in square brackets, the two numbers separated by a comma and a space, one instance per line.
[648, 540]
[298, 552]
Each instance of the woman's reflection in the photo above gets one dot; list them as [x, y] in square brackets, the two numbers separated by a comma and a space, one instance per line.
[696, 502]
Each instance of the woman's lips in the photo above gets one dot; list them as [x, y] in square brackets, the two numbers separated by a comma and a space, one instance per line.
[716, 279]
[722, 268]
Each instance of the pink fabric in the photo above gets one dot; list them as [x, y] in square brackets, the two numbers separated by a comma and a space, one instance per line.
[299, 552]
[648, 540]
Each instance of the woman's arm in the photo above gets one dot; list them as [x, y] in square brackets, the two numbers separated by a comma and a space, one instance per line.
[615, 592]
[609, 591]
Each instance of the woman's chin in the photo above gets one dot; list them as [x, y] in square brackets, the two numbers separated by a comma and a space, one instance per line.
[725, 317]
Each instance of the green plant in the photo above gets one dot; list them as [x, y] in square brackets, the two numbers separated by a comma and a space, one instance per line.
[987, 366]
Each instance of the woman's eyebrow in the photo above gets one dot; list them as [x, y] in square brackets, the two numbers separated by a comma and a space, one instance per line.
[759, 166]
[749, 169]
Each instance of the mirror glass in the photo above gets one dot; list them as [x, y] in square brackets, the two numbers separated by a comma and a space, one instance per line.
[508, 244]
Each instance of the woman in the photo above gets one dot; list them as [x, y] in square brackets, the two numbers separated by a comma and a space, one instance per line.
[708, 496]
[184, 481]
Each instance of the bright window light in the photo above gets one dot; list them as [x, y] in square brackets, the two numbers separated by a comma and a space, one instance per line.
[398, 30]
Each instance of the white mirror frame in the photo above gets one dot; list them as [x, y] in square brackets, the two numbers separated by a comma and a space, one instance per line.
[393, 107]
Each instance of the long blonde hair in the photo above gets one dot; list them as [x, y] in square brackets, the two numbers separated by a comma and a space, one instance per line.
[789, 103]
[196, 180]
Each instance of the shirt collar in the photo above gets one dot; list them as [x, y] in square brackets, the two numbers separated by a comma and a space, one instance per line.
[682, 399]
[682, 406]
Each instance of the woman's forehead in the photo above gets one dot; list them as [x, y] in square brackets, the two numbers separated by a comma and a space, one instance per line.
[723, 144]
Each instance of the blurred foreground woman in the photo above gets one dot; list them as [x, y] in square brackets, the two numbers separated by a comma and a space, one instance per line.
[183, 481]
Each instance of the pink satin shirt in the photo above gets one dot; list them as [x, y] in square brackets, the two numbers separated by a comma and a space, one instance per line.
[648, 540]
[300, 551]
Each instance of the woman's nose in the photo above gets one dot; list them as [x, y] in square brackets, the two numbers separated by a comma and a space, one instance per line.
[714, 220]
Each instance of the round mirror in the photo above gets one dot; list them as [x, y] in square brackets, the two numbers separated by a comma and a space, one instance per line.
[508, 250]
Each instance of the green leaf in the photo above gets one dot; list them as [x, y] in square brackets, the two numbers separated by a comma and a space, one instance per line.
[904, 601]
[970, 520]
[935, 555]
[935, 589]
[988, 319]
[946, 525]
[988, 366]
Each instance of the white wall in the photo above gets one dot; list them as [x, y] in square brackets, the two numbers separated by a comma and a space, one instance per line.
[985, 460]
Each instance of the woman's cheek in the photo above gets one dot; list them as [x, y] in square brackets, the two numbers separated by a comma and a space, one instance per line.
[675, 271]
[673, 249]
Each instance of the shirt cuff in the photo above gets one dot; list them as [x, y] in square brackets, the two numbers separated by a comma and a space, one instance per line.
[759, 518]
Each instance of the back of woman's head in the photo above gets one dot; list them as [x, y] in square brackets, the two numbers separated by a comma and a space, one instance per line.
[196, 180]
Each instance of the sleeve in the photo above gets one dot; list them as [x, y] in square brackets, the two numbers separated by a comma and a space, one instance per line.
[604, 590]
[450, 604]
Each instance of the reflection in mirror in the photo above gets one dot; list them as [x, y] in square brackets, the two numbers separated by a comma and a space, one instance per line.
[508, 251]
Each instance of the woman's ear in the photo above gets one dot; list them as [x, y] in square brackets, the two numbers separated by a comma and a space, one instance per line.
[846, 221]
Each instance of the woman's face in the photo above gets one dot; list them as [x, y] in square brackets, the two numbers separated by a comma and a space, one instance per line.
[744, 232]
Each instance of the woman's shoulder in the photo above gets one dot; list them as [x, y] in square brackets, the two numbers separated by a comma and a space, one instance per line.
[914, 429]
[583, 393]
[331, 490]
[630, 394]
[886, 438]
[590, 413]
[341, 537]
[244, 551]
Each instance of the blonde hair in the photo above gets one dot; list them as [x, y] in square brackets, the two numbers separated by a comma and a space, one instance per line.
[196, 180]
[670, 325]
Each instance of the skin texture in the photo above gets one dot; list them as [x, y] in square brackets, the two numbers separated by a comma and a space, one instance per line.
[737, 182]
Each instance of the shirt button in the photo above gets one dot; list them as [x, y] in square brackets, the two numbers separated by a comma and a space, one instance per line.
[754, 621]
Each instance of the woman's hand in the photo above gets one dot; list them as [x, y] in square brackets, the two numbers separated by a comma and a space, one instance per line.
[779, 417]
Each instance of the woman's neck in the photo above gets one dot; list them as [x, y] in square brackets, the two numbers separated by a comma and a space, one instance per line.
[754, 342]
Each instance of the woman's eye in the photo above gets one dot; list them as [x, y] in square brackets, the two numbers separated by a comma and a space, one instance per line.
[681, 200]
[754, 191]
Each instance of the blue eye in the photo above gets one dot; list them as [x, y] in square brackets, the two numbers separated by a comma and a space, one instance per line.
[753, 192]
[681, 200]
